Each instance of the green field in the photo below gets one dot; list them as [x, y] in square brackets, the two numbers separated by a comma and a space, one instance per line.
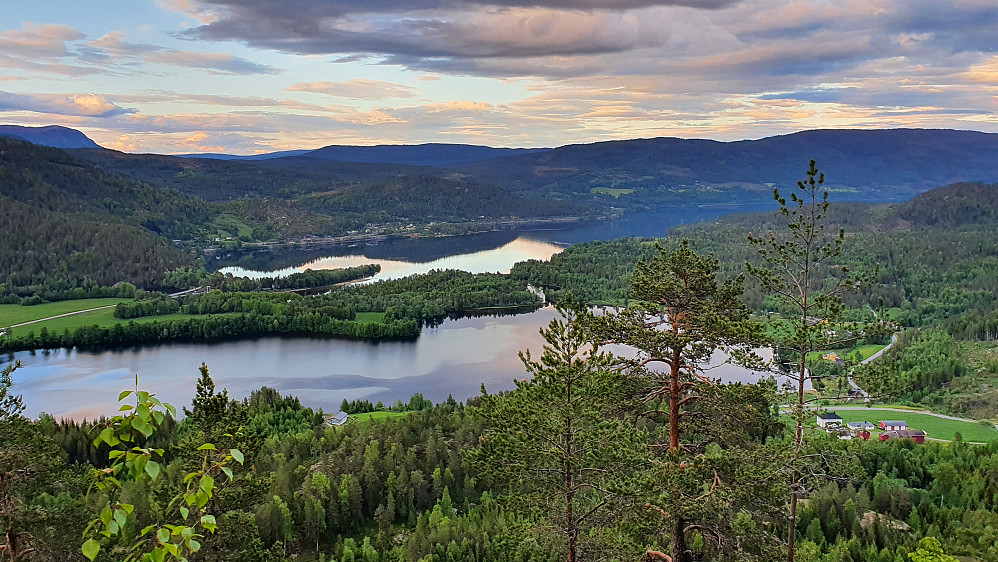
[937, 428]
[103, 318]
[368, 416]
[16, 314]
[614, 191]
[376, 317]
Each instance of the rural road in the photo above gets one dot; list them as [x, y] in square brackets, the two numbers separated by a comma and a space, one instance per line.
[863, 393]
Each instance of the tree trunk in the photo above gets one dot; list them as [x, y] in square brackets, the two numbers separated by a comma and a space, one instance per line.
[678, 543]
[674, 399]
[798, 442]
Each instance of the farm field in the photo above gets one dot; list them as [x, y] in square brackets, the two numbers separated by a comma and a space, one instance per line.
[16, 314]
[103, 318]
[937, 428]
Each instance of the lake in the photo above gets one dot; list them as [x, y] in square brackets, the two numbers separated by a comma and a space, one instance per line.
[454, 358]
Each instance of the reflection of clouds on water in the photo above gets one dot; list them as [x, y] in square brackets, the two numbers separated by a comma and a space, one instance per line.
[455, 358]
[499, 260]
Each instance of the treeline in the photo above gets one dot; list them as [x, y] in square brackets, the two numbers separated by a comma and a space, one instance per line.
[62, 289]
[157, 306]
[436, 294]
[210, 327]
[307, 279]
[416, 403]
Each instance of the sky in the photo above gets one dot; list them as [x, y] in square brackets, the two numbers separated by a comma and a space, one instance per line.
[255, 76]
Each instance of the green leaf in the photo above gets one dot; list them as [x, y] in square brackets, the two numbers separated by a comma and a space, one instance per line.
[152, 469]
[227, 471]
[124, 394]
[163, 535]
[90, 549]
[207, 447]
[207, 483]
[184, 512]
[120, 517]
[237, 454]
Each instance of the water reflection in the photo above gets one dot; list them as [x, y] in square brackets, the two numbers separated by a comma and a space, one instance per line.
[494, 260]
[454, 358]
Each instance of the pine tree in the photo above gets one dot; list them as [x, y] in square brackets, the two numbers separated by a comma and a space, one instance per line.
[800, 268]
[558, 440]
[680, 316]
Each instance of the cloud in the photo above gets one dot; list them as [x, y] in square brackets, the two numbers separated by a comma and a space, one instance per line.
[34, 40]
[81, 105]
[220, 63]
[357, 88]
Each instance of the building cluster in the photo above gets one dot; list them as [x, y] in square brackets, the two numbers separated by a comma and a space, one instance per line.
[888, 429]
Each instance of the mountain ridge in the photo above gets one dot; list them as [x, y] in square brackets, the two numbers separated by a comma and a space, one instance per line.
[55, 136]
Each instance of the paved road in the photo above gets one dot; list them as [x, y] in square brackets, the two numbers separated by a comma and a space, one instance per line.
[852, 385]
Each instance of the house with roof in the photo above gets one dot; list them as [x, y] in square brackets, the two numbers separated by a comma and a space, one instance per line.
[918, 436]
[833, 357]
[339, 418]
[861, 428]
[829, 419]
[893, 425]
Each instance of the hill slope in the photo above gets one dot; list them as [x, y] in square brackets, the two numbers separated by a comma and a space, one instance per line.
[65, 222]
[877, 165]
[431, 154]
[52, 135]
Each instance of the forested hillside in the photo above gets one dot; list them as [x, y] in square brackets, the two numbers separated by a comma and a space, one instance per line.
[428, 198]
[875, 165]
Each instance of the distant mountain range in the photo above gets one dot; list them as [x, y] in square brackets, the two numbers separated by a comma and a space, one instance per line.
[52, 135]
[430, 154]
[871, 165]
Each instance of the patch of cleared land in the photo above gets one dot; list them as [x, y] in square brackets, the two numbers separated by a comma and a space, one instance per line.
[614, 191]
[16, 314]
[375, 317]
[104, 318]
[368, 416]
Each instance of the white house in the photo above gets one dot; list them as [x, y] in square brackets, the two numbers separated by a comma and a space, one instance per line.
[339, 418]
[861, 426]
[830, 418]
[893, 425]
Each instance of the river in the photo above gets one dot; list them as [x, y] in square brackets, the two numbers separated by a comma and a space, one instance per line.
[454, 358]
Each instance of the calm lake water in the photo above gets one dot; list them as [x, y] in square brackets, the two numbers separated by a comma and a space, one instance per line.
[455, 358]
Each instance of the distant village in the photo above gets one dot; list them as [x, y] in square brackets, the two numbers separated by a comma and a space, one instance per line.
[833, 424]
